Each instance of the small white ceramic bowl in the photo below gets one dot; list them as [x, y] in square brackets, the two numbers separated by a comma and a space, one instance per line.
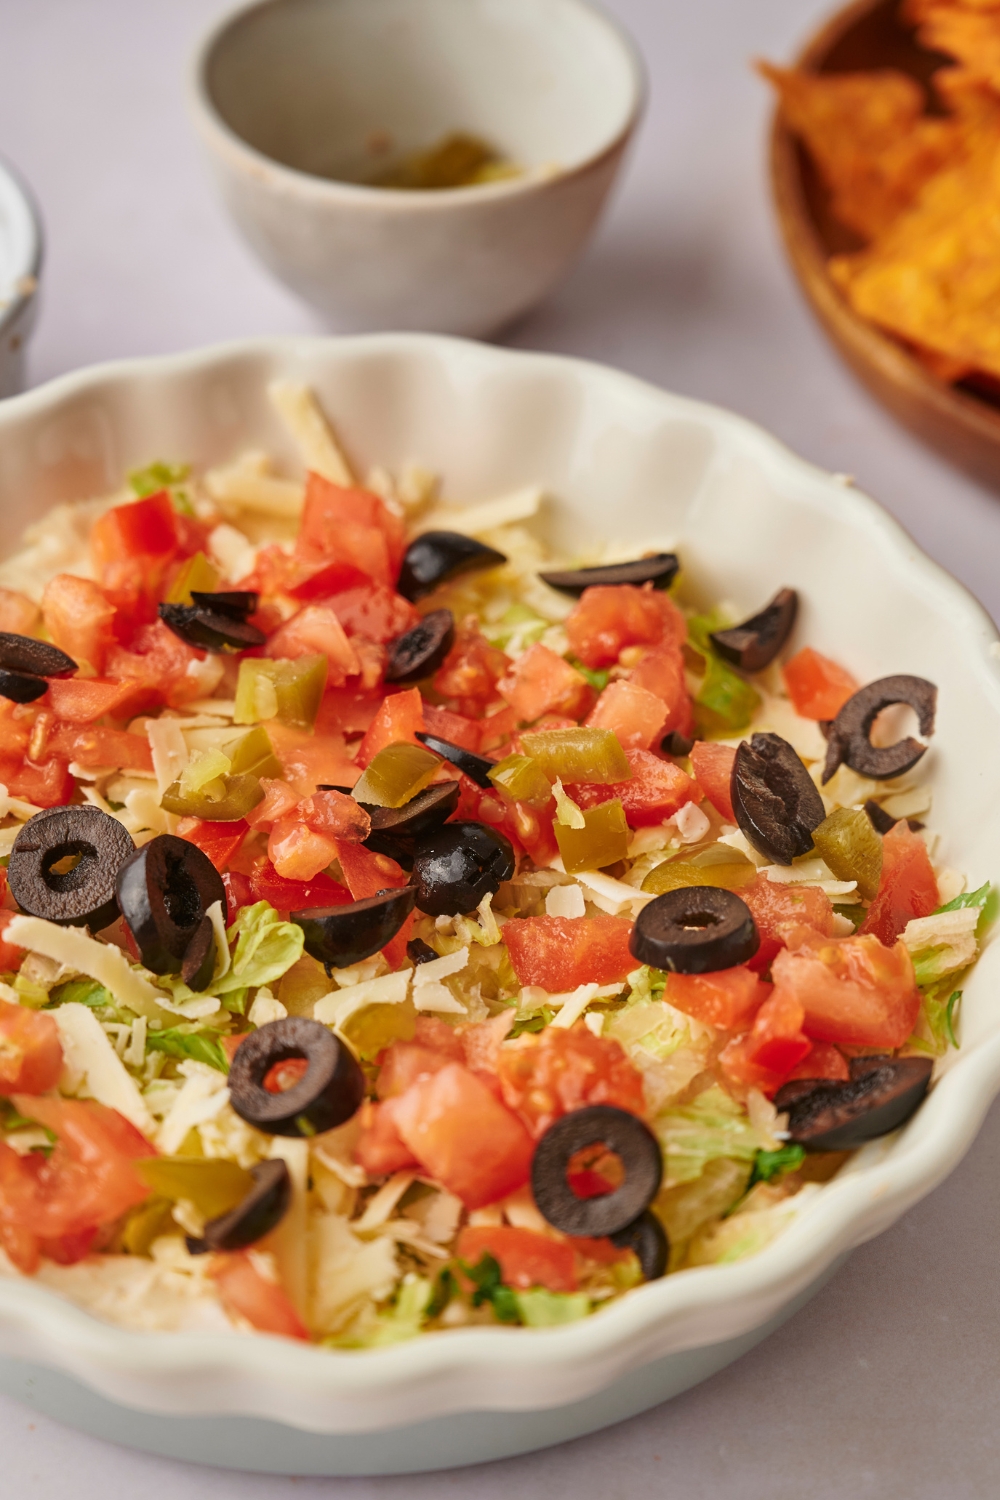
[652, 469]
[291, 96]
[20, 265]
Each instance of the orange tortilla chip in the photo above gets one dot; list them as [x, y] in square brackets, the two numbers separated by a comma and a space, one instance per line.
[870, 140]
[934, 278]
[970, 34]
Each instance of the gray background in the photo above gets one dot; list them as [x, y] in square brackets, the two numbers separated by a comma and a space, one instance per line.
[886, 1384]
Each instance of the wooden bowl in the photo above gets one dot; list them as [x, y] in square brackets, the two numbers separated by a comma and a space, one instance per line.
[961, 421]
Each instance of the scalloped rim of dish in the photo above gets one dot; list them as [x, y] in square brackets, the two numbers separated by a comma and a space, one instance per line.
[442, 1374]
[218, 132]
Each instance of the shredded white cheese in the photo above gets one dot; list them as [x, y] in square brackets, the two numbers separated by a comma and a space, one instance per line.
[85, 955]
[89, 1056]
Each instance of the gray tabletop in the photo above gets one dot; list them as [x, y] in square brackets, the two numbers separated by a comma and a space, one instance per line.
[886, 1384]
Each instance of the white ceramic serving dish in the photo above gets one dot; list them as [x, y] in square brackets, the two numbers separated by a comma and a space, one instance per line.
[20, 266]
[288, 95]
[748, 518]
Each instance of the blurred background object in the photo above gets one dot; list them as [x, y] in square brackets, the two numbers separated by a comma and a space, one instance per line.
[423, 164]
[20, 265]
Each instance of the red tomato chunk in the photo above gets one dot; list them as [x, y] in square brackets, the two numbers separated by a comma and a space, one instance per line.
[854, 990]
[525, 1258]
[817, 686]
[656, 791]
[560, 953]
[907, 887]
[545, 1075]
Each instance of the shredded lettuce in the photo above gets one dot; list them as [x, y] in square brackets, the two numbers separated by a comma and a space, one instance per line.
[769, 1164]
[266, 948]
[195, 1044]
[693, 1134]
[986, 898]
[81, 992]
[162, 476]
[725, 703]
[597, 677]
[405, 1317]
[539, 1308]
[489, 1287]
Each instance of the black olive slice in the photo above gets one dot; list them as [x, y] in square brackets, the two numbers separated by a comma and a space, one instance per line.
[848, 737]
[164, 891]
[659, 569]
[435, 556]
[330, 1091]
[235, 604]
[421, 650]
[210, 631]
[328, 786]
[457, 865]
[22, 653]
[20, 688]
[92, 846]
[647, 1237]
[632, 1142]
[754, 644]
[419, 952]
[198, 964]
[695, 929]
[676, 744]
[774, 798]
[476, 767]
[339, 936]
[395, 830]
[97, 845]
[881, 1095]
[882, 821]
[262, 1210]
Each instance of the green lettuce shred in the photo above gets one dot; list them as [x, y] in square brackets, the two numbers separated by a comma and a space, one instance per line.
[266, 948]
[197, 1045]
[489, 1287]
[725, 703]
[162, 476]
[694, 1134]
[770, 1164]
[81, 992]
[539, 1308]
[987, 898]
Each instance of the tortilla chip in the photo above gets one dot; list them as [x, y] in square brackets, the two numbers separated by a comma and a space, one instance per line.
[868, 135]
[970, 34]
[934, 279]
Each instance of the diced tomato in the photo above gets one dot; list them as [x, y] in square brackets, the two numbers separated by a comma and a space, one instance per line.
[348, 710]
[352, 526]
[164, 665]
[656, 791]
[244, 1292]
[81, 700]
[823, 1060]
[525, 1257]
[495, 729]
[470, 672]
[481, 1042]
[219, 841]
[778, 908]
[726, 998]
[373, 611]
[88, 1180]
[297, 852]
[398, 719]
[310, 760]
[713, 768]
[295, 895]
[854, 991]
[366, 872]
[132, 547]
[285, 1075]
[560, 953]
[11, 956]
[455, 728]
[380, 1149]
[316, 631]
[79, 617]
[67, 1249]
[405, 1063]
[548, 1074]
[30, 1051]
[541, 682]
[279, 800]
[338, 816]
[320, 582]
[661, 671]
[635, 715]
[99, 746]
[774, 1045]
[525, 826]
[18, 613]
[47, 785]
[817, 686]
[463, 1136]
[907, 887]
[240, 893]
[610, 617]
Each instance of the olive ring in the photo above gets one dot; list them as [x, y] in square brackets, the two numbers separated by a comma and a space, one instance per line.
[633, 1143]
[849, 734]
[84, 894]
[695, 929]
[330, 1091]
